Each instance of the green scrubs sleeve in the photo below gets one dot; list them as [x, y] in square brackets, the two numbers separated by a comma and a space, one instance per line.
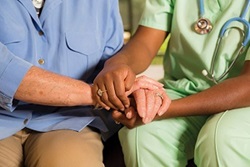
[158, 14]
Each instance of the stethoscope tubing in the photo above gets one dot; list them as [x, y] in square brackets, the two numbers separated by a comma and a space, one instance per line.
[210, 75]
[238, 19]
[202, 10]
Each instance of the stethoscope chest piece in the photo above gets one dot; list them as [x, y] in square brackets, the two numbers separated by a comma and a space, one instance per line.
[203, 26]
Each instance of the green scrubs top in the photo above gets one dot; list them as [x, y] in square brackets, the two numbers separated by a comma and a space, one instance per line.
[174, 140]
[188, 52]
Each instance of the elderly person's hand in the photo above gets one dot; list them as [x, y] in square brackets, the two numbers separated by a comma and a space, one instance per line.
[145, 104]
[150, 103]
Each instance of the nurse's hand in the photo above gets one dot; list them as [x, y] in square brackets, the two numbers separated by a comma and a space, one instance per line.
[112, 88]
[130, 120]
[110, 85]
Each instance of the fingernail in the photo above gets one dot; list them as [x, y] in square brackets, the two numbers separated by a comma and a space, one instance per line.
[146, 120]
[128, 115]
[142, 115]
[160, 113]
[107, 108]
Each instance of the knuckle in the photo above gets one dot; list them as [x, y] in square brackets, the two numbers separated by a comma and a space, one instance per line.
[105, 101]
[112, 98]
[120, 95]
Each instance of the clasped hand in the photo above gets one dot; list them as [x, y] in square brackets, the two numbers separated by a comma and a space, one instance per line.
[134, 100]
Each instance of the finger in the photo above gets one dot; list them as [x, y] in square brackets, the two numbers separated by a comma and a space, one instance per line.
[140, 100]
[106, 83]
[101, 96]
[119, 116]
[150, 80]
[130, 112]
[129, 80]
[121, 95]
[96, 98]
[123, 81]
[166, 101]
[129, 123]
[158, 103]
[108, 99]
[151, 104]
[115, 85]
[144, 84]
[114, 91]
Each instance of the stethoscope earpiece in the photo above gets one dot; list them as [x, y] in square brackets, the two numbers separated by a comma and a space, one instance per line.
[211, 77]
[204, 72]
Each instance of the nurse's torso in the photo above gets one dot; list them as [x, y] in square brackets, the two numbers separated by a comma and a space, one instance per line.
[189, 53]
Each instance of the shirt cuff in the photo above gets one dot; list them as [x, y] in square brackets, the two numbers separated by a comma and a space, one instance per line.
[10, 80]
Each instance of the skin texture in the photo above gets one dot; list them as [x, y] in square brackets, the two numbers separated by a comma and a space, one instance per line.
[136, 57]
[47, 88]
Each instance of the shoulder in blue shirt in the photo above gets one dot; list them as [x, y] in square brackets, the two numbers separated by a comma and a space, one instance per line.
[69, 38]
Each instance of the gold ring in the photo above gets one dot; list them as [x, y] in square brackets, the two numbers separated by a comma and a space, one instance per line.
[100, 92]
[117, 122]
[98, 107]
[159, 95]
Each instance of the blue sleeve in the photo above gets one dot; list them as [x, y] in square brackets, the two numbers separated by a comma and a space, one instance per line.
[12, 71]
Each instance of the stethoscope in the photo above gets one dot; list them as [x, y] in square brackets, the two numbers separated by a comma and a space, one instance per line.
[204, 26]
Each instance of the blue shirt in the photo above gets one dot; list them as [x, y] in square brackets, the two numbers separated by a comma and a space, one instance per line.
[69, 38]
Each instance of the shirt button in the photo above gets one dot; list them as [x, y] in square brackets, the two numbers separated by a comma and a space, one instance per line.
[25, 121]
[41, 61]
[40, 33]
